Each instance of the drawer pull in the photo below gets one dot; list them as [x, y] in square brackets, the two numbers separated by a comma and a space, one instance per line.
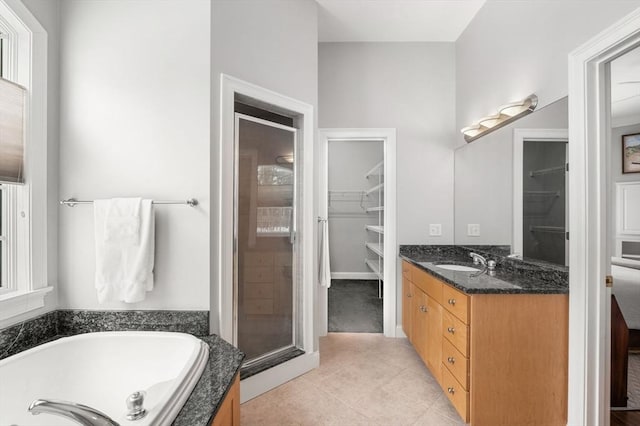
[423, 308]
[451, 330]
[452, 301]
[408, 295]
[451, 390]
[451, 360]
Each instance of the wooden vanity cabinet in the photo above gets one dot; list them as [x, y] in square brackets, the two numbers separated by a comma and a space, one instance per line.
[501, 359]
[229, 412]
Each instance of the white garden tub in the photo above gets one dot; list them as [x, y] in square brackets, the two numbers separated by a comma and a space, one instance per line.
[101, 370]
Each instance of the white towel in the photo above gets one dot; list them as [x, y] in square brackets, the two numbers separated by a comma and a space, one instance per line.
[324, 267]
[125, 239]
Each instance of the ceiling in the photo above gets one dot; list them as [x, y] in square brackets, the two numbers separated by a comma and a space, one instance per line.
[394, 20]
[625, 89]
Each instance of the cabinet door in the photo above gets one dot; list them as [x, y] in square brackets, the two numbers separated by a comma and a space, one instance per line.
[406, 307]
[434, 337]
[419, 321]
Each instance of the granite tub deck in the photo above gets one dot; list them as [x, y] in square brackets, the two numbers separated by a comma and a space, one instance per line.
[512, 276]
[205, 400]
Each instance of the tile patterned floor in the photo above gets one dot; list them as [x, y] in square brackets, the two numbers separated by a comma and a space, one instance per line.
[363, 379]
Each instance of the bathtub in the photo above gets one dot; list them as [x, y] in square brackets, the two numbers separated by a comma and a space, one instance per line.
[101, 370]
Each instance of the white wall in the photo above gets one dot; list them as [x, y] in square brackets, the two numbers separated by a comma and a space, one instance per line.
[484, 178]
[135, 87]
[271, 43]
[514, 48]
[47, 13]
[349, 161]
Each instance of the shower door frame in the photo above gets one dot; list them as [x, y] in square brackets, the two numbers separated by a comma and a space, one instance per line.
[222, 175]
[292, 232]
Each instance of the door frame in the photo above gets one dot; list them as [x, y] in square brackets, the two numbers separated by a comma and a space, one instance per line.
[388, 137]
[589, 299]
[222, 301]
[520, 136]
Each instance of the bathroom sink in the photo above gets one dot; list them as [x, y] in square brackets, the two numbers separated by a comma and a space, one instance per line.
[461, 268]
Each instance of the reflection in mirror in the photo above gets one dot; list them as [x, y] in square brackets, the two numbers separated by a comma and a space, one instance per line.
[485, 203]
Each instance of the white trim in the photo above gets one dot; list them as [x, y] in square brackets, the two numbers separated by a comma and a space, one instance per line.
[388, 136]
[622, 228]
[400, 332]
[29, 68]
[519, 137]
[260, 383]
[222, 276]
[589, 306]
[14, 304]
[353, 276]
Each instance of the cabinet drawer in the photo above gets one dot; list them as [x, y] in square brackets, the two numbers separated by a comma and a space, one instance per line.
[258, 306]
[428, 283]
[456, 394]
[456, 332]
[456, 363]
[456, 302]
[258, 274]
[258, 291]
[258, 259]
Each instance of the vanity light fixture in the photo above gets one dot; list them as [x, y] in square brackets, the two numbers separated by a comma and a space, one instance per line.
[506, 114]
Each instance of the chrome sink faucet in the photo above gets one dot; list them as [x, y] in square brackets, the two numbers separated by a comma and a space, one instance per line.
[478, 260]
[82, 414]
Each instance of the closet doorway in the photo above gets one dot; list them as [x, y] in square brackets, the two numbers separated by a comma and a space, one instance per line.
[357, 269]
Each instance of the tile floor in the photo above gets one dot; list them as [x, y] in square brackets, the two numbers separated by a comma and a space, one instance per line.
[363, 379]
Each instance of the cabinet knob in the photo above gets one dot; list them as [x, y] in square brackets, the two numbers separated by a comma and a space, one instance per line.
[451, 330]
[451, 390]
[408, 295]
[451, 360]
[423, 308]
[452, 301]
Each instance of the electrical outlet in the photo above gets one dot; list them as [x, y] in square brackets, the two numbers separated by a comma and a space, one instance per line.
[435, 229]
[473, 229]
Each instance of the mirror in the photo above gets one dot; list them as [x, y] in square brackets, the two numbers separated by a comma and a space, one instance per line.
[510, 189]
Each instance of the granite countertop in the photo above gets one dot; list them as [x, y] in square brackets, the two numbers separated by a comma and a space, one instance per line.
[509, 277]
[205, 400]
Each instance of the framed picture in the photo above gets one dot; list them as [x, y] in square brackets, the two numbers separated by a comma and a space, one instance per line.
[631, 153]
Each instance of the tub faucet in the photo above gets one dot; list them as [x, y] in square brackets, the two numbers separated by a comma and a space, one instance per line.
[82, 414]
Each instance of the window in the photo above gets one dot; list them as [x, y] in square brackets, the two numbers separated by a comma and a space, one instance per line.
[23, 207]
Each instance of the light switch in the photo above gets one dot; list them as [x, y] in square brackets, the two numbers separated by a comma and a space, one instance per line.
[473, 229]
[435, 229]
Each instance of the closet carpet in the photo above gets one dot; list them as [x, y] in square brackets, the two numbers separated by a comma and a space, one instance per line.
[354, 306]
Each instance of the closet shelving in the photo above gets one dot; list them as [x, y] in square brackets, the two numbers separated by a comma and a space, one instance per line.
[376, 177]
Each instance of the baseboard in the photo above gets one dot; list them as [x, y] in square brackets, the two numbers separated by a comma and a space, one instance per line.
[260, 383]
[353, 276]
[399, 332]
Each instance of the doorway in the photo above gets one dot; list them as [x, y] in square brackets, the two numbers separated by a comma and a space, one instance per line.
[357, 194]
[590, 156]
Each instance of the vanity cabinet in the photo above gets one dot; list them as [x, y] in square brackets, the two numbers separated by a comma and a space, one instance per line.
[501, 359]
[229, 412]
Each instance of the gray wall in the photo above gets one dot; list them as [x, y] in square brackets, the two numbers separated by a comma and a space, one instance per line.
[410, 87]
[271, 43]
[348, 163]
[514, 48]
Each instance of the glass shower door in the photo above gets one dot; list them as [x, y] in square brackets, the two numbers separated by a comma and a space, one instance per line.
[265, 218]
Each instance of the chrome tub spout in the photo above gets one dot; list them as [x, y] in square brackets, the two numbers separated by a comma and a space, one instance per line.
[82, 414]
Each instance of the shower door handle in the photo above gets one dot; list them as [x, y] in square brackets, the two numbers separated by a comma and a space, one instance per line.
[292, 237]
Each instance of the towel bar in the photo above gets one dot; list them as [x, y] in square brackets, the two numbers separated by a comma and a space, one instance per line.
[71, 202]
